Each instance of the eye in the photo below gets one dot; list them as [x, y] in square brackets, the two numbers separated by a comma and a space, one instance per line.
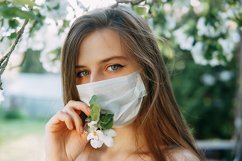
[81, 74]
[114, 67]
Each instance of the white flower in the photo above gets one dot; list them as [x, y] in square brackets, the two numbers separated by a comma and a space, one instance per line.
[195, 3]
[197, 54]
[50, 62]
[167, 8]
[55, 9]
[92, 126]
[179, 10]
[110, 132]
[98, 138]
[207, 29]
[227, 46]
[185, 42]
[170, 22]
[93, 4]
[108, 137]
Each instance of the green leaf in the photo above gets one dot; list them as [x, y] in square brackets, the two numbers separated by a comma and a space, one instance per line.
[13, 35]
[93, 100]
[95, 108]
[104, 117]
[13, 23]
[24, 2]
[141, 10]
[11, 12]
[106, 121]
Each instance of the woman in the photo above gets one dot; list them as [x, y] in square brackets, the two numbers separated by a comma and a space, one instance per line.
[112, 49]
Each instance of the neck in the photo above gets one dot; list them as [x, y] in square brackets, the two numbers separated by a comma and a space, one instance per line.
[127, 140]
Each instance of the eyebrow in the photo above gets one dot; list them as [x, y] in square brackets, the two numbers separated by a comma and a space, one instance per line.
[105, 60]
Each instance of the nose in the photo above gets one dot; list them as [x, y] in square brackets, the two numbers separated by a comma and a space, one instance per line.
[95, 76]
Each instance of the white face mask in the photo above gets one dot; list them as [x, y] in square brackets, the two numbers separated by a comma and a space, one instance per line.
[122, 96]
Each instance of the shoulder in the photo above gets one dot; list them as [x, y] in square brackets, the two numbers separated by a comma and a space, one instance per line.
[182, 155]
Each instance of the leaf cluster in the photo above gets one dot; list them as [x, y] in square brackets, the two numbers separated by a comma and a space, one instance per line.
[103, 118]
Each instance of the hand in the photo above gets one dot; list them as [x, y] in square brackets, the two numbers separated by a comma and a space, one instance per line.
[64, 135]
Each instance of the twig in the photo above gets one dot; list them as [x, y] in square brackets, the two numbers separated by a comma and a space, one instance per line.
[4, 60]
[1, 39]
[83, 7]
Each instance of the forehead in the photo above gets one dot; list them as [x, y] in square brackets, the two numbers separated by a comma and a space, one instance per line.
[99, 44]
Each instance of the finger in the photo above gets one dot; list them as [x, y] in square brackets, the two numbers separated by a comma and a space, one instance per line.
[84, 136]
[76, 118]
[61, 117]
[67, 119]
[78, 105]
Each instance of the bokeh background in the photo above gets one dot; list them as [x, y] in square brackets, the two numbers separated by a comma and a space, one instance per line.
[200, 41]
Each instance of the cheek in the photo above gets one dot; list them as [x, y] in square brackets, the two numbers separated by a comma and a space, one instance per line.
[78, 82]
[128, 70]
[82, 81]
[134, 66]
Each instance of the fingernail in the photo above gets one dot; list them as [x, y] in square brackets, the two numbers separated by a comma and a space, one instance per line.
[71, 126]
[89, 110]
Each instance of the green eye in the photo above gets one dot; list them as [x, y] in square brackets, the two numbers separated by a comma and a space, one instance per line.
[82, 74]
[114, 67]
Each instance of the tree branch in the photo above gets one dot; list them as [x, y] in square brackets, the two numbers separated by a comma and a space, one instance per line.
[4, 60]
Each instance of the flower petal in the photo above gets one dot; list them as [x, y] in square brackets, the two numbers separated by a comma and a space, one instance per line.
[108, 141]
[110, 132]
[92, 123]
[96, 143]
[92, 126]
[90, 136]
[99, 133]
[93, 135]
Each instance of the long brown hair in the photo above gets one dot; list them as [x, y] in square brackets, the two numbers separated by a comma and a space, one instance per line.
[159, 116]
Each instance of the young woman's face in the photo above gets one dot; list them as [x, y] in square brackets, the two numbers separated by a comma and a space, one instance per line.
[102, 57]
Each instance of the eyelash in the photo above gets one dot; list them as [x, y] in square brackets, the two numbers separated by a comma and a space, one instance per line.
[115, 65]
[84, 73]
